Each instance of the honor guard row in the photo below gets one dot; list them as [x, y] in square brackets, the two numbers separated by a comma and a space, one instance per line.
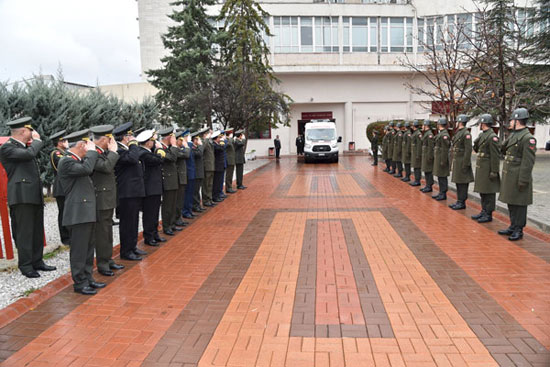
[171, 172]
[412, 148]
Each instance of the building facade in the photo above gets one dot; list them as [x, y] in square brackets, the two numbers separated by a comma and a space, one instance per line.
[339, 59]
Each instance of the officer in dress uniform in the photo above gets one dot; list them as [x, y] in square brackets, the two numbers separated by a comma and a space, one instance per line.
[391, 130]
[462, 173]
[190, 189]
[219, 166]
[181, 165]
[487, 180]
[442, 144]
[130, 191]
[104, 180]
[427, 155]
[230, 154]
[80, 214]
[197, 151]
[397, 150]
[516, 188]
[374, 146]
[208, 162]
[240, 159]
[25, 197]
[385, 141]
[61, 146]
[406, 151]
[151, 157]
[416, 152]
[169, 180]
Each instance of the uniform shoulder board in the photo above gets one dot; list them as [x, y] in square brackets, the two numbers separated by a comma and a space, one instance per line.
[495, 138]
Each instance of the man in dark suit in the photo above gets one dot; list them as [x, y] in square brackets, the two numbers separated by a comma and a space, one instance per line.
[169, 180]
[61, 145]
[80, 215]
[151, 158]
[240, 160]
[197, 149]
[25, 195]
[277, 144]
[130, 191]
[230, 152]
[182, 137]
[104, 180]
[190, 189]
[208, 162]
[219, 166]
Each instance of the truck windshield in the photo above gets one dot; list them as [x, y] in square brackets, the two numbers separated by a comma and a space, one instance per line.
[320, 134]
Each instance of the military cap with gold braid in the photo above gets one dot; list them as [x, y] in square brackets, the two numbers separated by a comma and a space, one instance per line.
[102, 130]
[166, 131]
[82, 135]
[19, 123]
[58, 136]
[124, 129]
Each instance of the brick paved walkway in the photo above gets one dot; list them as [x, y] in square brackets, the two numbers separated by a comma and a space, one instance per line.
[312, 265]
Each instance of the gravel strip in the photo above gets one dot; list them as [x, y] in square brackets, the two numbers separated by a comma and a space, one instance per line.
[13, 285]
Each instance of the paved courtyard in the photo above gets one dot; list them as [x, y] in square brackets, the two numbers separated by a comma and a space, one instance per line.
[312, 265]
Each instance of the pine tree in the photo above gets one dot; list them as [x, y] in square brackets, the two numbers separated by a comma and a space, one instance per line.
[184, 80]
[244, 84]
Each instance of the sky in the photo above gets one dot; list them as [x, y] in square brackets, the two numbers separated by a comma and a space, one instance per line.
[95, 41]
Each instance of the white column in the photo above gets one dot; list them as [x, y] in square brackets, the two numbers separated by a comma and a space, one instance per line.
[348, 124]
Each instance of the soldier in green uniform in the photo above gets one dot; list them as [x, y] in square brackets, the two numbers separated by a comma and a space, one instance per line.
[208, 161]
[80, 214]
[25, 197]
[406, 151]
[240, 159]
[104, 180]
[230, 155]
[182, 138]
[390, 147]
[416, 152]
[61, 146]
[462, 173]
[170, 182]
[374, 146]
[427, 165]
[385, 141]
[516, 188]
[397, 150]
[487, 180]
[442, 144]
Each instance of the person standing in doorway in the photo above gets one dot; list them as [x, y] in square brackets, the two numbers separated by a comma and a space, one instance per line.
[277, 144]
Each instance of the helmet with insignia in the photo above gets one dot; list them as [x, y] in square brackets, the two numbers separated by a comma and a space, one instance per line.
[520, 114]
[81, 135]
[427, 123]
[144, 136]
[58, 136]
[487, 119]
[442, 121]
[407, 124]
[416, 123]
[390, 124]
[19, 123]
[463, 119]
[102, 130]
[398, 125]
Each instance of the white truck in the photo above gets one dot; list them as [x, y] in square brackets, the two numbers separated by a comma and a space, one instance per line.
[321, 141]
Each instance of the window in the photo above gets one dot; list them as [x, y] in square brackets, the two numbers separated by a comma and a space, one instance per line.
[359, 34]
[373, 34]
[397, 34]
[421, 34]
[285, 31]
[306, 34]
[525, 22]
[465, 22]
[384, 35]
[326, 34]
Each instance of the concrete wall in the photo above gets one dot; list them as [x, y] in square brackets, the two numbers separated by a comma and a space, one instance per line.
[133, 92]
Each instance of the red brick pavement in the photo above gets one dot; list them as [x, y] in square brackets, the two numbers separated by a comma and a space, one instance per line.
[440, 289]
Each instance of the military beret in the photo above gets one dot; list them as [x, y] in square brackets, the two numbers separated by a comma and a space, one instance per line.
[216, 133]
[123, 129]
[102, 130]
[19, 123]
[78, 136]
[166, 131]
[58, 136]
[145, 136]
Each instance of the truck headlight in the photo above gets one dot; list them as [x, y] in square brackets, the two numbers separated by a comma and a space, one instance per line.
[308, 146]
[334, 145]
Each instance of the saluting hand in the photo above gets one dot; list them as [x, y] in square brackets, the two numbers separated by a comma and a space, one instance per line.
[112, 145]
[173, 140]
[35, 135]
[158, 145]
[90, 145]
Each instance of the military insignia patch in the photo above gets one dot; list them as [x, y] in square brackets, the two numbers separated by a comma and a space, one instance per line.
[495, 138]
[532, 141]
[445, 137]
[430, 136]
[468, 136]
[58, 153]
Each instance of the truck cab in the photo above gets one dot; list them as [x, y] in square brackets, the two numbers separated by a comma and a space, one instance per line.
[321, 141]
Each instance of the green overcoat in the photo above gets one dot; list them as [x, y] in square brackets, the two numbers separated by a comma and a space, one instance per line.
[442, 144]
[428, 151]
[416, 149]
[462, 157]
[488, 160]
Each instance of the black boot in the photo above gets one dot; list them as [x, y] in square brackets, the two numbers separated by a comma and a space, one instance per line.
[442, 196]
[426, 189]
[415, 183]
[506, 232]
[458, 205]
[486, 218]
[517, 235]
[477, 216]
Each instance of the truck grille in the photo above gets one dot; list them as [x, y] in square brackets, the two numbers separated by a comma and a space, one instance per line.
[321, 148]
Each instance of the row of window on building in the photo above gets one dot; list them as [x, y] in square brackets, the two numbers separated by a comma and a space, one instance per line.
[292, 34]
